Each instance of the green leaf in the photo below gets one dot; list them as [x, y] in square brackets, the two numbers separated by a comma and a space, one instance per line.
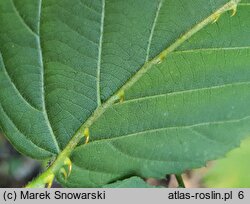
[64, 65]
[133, 182]
[232, 171]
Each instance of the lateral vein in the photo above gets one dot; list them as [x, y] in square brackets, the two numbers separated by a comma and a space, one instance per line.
[100, 55]
[43, 79]
[153, 29]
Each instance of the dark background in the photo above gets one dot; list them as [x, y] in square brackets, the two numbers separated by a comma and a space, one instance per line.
[15, 169]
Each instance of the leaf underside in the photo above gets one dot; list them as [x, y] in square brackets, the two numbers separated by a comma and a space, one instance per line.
[61, 60]
[133, 182]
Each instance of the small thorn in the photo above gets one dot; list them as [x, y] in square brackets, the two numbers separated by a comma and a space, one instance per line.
[87, 140]
[68, 163]
[86, 134]
[216, 18]
[64, 173]
[234, 10]
[50, 181]
[49, 184]
[160, 59]
[121, 96]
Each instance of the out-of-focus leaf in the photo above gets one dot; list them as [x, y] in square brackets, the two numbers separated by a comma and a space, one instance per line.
[232, 171]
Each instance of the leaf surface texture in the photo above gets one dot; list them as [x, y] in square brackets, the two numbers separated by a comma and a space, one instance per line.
[62, 60]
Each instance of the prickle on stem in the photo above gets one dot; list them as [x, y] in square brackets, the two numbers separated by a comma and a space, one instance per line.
[232, 7]
[64, 173]
[121, 96]
[234, 10]
[67, 162]
[160, 59]
[86, 134]
[216, 18]
[49, 181]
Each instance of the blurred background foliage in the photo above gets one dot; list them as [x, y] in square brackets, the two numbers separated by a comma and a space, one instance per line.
[232, 171]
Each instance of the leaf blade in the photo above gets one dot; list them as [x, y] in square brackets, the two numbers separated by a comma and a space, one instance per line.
[71, 60]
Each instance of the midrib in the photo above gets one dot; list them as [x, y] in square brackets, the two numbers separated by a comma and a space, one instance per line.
[148, 65]
[144, 69]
